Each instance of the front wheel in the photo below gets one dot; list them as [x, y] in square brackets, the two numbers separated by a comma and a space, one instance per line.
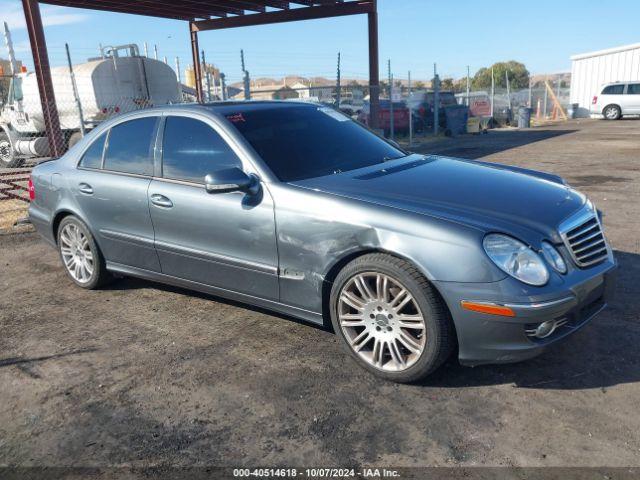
[390, 318]
[8, 157]
[80, 254]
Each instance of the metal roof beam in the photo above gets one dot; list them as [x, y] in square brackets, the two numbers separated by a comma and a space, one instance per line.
[292, 15]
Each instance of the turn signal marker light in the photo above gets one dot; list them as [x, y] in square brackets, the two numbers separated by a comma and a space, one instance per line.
[488, 308]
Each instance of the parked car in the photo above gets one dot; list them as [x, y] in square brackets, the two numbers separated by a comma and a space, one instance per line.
[423, 105]
[617, 100]
[400, 116]
[296, 208]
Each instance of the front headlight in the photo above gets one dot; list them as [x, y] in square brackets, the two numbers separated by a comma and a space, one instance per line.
[515, 258]
[554, 258]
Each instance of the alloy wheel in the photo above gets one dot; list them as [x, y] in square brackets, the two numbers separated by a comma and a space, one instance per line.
[381, 321]
[76, 253]
[5, 151]
[611, 113]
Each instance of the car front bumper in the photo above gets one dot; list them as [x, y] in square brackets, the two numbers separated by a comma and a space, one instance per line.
[488, 338]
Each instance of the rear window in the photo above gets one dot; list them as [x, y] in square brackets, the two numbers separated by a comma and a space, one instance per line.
[613, 90]
[92, 157]
[299, 142]
[129, 147]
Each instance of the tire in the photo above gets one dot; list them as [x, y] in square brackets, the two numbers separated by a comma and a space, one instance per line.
[77, 247]
[436, 336]
[7, 154]
[612, 112]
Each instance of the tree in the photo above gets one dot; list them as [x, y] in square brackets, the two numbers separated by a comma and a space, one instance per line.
[446, 84]
[419, 85]
[518, 76]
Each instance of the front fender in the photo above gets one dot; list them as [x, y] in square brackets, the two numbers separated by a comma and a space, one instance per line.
[317, 231]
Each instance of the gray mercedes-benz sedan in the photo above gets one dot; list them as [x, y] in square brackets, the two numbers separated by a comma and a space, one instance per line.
[296, 208]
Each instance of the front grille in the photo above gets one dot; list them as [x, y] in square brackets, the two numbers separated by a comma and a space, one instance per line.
[586, 242]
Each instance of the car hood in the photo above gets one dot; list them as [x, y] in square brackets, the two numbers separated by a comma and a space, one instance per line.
[482, 195]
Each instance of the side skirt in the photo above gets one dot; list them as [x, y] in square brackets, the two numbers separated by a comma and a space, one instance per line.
[306, 315]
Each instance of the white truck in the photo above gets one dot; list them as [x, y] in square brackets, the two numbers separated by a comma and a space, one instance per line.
[120, 80]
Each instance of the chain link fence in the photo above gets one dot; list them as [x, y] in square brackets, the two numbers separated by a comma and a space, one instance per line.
[120, 79]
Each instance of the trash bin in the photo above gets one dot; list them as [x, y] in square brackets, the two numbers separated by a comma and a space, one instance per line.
[573, 110]
[524, 117]
[456, 118]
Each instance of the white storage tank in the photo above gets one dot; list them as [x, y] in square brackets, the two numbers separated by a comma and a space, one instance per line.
[589, 71]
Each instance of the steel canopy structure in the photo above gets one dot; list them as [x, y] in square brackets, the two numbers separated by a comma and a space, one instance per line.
[202, 15]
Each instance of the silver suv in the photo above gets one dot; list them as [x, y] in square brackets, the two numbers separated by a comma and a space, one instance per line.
[616, 100]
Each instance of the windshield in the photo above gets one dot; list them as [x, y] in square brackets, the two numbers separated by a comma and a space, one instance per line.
[305, 141]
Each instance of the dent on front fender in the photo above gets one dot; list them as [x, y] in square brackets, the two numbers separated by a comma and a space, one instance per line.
[317, 231]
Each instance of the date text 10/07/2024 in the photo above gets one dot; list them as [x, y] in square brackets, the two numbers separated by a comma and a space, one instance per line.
[315, 473]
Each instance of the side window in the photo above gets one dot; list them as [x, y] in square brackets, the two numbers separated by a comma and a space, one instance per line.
[92, 157]
[613, 90]
[633, 89]
[129, 148]
[192, 149]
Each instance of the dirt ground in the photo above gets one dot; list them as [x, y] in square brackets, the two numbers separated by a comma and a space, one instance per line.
[142, 374]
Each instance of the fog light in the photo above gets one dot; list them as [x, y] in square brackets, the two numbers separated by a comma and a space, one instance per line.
[545, 329]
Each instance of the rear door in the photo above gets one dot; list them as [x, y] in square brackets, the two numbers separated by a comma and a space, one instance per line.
[111, 186]
[226, 240]
[612, 94]
[632, 100]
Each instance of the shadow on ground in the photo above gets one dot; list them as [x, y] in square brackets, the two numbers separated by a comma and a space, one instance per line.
[602, 354]
[478, 146]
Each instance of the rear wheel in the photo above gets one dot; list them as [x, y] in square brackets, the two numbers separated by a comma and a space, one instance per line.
[391, 320]
[7, 154]
[612, 112]
[80, 254]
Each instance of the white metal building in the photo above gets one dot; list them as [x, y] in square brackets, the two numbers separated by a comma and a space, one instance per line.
[589, 71]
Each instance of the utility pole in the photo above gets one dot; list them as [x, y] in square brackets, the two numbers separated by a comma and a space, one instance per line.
[247, 81]
[179, 78]
[436, 100]
[391, 119]
[493, 90]
[146, 49]
[207, 77]
[155, 51]
[165, 61]
[223, 84]
[546, 98]
[410, 111]
[530, 93]
[506, 74]
[338, 86]
[468, 86]
[74, 86]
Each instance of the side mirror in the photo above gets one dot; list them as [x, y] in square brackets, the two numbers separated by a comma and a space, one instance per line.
[231, 180]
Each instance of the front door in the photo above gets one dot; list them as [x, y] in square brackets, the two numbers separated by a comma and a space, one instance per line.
[226, 240]
[110, 186]
[632, 99]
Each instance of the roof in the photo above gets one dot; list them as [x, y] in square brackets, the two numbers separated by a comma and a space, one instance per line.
[608, 51]
[198, 10]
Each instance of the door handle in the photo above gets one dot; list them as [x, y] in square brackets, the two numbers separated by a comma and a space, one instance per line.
[85, 188]
[161, 201]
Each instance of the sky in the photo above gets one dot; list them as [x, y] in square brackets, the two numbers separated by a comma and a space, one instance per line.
[414, 34]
